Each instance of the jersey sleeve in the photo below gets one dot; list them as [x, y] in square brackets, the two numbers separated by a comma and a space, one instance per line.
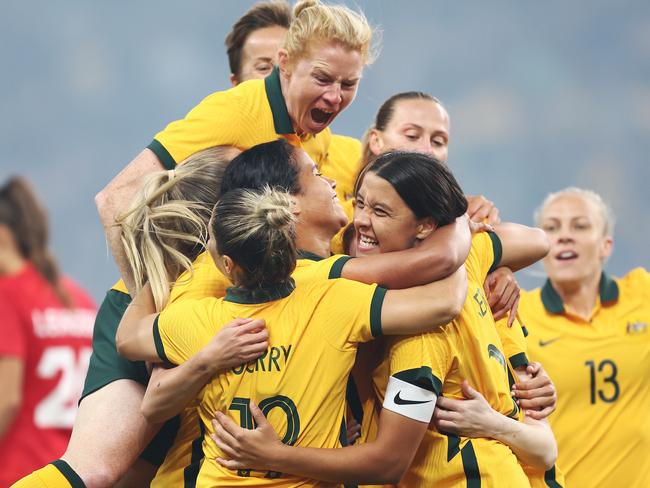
[484, 255]
[14, 340]
[353, 310]
[182, 329]
[215, 121]
[513, 340]
[418, 366]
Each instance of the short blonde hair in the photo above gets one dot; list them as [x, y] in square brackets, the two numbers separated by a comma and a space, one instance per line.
[315, 21]
[606, 213]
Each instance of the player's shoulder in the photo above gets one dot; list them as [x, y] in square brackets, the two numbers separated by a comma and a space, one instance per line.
[346, 143]
[637, 279]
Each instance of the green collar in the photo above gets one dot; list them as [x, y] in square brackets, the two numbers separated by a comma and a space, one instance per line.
[309, 255]
[281, 120]
[608, 290]
[260, 295]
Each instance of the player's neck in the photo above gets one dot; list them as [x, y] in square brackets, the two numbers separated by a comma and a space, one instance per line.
[580, 297]
[314, 241]
[11, 262]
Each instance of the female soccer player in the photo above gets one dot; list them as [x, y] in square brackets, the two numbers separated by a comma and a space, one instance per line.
[398, 202]
[164, 250]
[252, 242]
[591, 332]
[320, 66]
[46, 326]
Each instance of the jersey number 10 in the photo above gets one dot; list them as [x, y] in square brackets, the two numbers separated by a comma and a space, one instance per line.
[286, 404]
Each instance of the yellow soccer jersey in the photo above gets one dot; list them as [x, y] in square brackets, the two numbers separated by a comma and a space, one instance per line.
[299, 383]
[469, 349]
[248, 114]
[342, 164]
[600, 368]
[182, 463]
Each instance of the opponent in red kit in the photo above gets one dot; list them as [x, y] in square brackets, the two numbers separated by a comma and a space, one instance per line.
[46, 326]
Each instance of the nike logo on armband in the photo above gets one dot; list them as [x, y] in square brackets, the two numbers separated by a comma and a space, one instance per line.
[549, 342]
[401, 401]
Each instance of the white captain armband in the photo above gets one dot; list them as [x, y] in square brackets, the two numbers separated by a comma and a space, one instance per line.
[409, 400]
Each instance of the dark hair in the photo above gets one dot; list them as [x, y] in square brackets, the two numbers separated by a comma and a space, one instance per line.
[385, 115]
[26, 218]
[271, 163]
[256, 229]
[260, 15]
[425, 184]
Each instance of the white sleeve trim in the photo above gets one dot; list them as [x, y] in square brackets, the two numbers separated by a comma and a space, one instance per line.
[409, 400]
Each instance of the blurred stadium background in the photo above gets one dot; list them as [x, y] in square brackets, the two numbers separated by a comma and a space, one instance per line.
[541, 94]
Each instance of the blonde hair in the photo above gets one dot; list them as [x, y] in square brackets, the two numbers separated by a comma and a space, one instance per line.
[166, 227]
[315, 21]
[256, 229]
[606, 213]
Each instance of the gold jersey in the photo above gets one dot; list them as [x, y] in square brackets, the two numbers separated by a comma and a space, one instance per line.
[600, 368]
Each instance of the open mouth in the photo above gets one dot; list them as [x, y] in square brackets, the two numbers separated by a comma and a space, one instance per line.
[365, 243]
[566, 256]
[321, 116]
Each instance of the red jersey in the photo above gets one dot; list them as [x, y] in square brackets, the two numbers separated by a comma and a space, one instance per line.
[54, 343]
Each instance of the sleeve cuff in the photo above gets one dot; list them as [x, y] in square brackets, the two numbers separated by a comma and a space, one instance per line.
[375, 311]
[162, 154]
[498, 251]
[160, 349]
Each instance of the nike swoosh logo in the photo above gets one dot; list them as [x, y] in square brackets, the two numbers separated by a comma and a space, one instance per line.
[401, 401]
[550, 341]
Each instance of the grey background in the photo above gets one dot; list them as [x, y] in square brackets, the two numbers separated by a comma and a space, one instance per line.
[541, 94]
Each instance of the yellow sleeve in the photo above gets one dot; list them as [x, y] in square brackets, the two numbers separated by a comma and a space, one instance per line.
[183, 328]
[484, 256]
[513, 340]
[422, 360]
[353, 310]
[215, 121]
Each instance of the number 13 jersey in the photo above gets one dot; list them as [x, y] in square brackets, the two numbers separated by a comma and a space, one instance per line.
[600, 368]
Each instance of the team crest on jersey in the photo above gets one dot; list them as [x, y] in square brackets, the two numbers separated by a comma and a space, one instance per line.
[637, 327]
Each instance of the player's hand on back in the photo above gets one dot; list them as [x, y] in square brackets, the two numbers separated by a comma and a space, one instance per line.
[238, 342]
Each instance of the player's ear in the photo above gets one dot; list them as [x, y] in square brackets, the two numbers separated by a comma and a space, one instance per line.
[284, 63]
[233, 79]
[425, 227]
[606, 248]
[375, 142]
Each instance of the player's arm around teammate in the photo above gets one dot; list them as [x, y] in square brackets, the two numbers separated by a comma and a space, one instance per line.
[387, 458]
[320, 67]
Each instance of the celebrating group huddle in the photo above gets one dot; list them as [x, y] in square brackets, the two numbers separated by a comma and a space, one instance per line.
[308, 312]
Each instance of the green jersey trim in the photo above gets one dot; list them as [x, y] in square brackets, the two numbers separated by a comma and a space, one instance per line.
[162, 154]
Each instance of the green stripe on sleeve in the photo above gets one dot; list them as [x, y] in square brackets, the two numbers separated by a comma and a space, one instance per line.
[162, 154]
[337, 267]
[549, 479]
[421, 377]
[69, 474]
[498, 251]
[375, 311]
[160, 349]
[518, 360]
